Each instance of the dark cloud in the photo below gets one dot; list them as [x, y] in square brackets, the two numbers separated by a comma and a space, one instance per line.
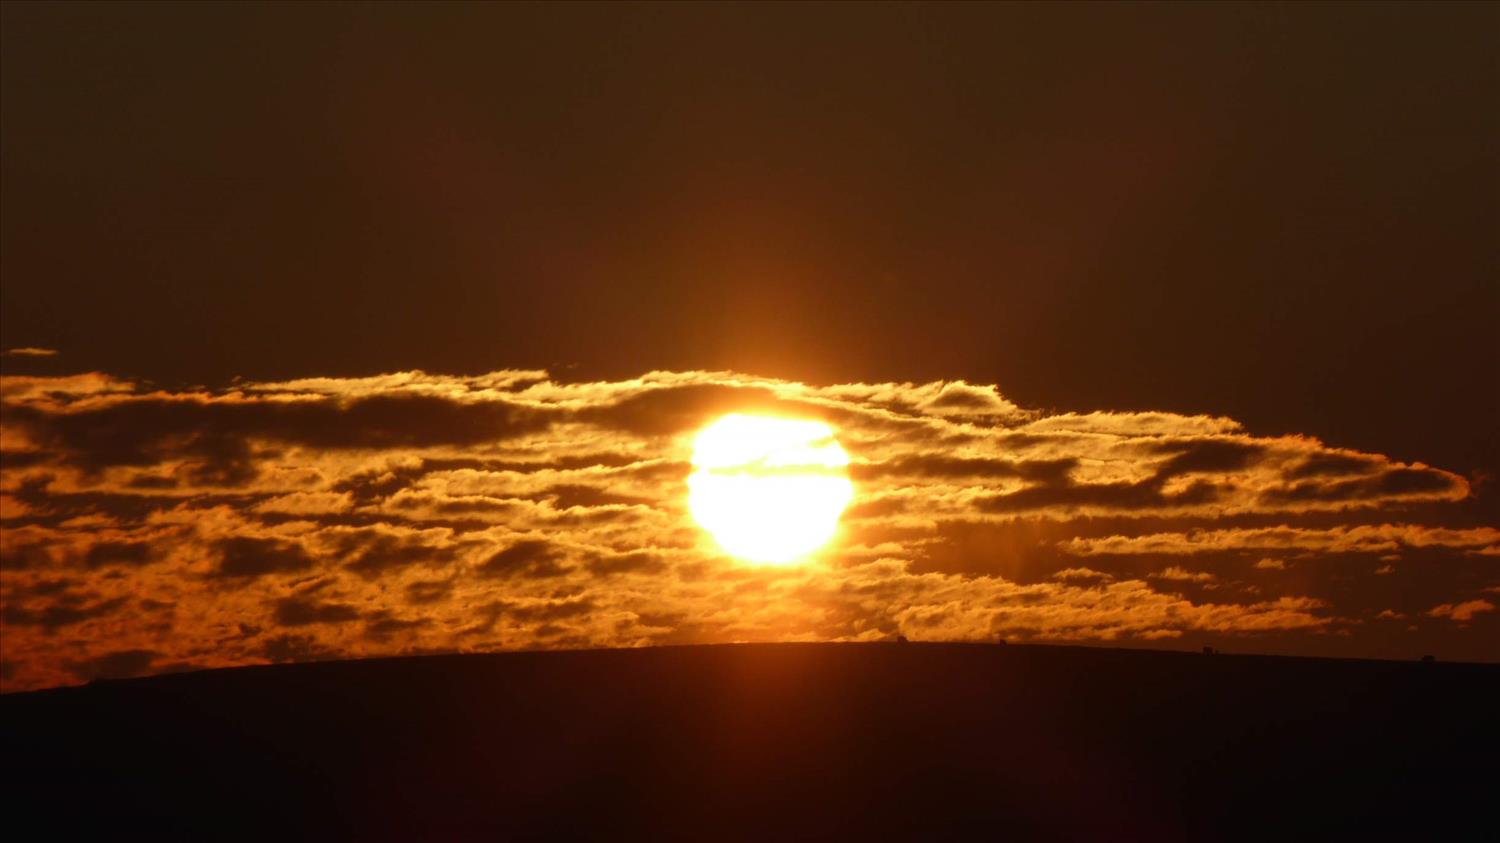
[151, 481]
[67, 610]
[1395, 482]
[1070, 497]
[118, 553]
[938, 465]
[1208, 455]
[49, 505]
[675, 409]
[121, 509]
[486, 617]
[875, 508]
[23, 459]
[296, 648]
[385, 625]
[1332, 465]
[636, 562]
[214, 434]
[527, 559]
[428, 591]
[551, 611]
[961, 397]
[249, 558]
[369, 486]
[300, 611]
[374, 554]
[1021, 550]
[219, 460]
[21, 557]
[48, 587]
[568, 496]
[121, 664]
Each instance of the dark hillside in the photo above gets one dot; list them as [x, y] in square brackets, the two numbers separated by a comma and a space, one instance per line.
[766, 742]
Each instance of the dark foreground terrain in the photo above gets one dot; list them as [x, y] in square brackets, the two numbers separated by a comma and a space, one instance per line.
[778, 741]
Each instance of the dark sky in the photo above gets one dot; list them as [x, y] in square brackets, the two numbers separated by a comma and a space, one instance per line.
[1281, 213]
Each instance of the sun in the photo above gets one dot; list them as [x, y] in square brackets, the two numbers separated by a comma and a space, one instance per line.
[768, 489]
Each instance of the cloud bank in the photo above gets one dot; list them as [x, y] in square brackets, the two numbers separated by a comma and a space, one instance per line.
[149, 530]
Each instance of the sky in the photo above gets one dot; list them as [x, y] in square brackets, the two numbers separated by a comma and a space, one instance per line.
[1148, 325]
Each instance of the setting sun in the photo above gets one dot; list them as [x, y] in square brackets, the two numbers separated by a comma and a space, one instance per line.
[768, 489]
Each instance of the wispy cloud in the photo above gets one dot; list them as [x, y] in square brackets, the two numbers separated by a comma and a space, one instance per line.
[1375, 538]
[1462, 611]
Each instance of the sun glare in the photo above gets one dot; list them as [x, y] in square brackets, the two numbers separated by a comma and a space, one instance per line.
[768, 489]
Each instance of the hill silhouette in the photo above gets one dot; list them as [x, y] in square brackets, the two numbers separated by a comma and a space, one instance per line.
[804, 741]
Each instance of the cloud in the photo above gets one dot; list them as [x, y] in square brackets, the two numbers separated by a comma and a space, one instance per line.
[118, 553]
[219, 435]
[299, 611]
[67, 610]
[1378, 538]
[528, 559]
[384, 626]
[374, 553]
[29, 351]
[247, 557]
[410, 512]
[289, 647]
[121, 664]
[1081, 574]
[1461, 612]
[1184, 575]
